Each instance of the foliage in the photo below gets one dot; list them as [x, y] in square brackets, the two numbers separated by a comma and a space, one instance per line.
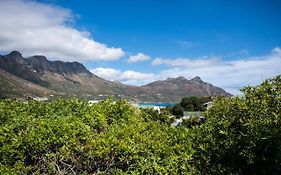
[162, 116]
[177, 110]
[241, 136]
[69, 136]
[190, 104]
[192, 121]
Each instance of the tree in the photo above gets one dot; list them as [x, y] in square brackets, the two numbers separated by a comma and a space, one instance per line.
[177, 110]
[190, 104]
[242, 134]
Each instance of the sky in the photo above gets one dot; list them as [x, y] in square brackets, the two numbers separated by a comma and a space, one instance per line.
[230, 44]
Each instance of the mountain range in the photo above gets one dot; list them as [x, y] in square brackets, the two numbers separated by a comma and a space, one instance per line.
[37, 76]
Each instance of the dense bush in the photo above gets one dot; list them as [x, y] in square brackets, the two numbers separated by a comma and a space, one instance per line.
[68, 136]
[241, 136]
[162, 116]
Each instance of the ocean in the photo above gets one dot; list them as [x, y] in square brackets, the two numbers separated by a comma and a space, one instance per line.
[151, 105]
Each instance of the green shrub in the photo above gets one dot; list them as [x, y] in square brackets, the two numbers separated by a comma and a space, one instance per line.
[242, 134]
[67, 136]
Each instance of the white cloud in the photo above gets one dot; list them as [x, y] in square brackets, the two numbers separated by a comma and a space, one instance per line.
[35, 28]
[138, 57]
[127, 77]
[107, 73]
[230, 75]
[185, 62]
[276, 50]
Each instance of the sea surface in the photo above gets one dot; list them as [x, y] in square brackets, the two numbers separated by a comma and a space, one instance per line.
[151, 105]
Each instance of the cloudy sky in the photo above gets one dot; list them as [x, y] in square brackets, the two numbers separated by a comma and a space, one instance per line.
[227, 43]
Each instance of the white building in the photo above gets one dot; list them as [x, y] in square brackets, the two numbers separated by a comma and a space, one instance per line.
[208, 104]
[40, 99]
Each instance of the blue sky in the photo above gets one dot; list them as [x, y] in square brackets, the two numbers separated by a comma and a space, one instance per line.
[154, 27]
[228, 43]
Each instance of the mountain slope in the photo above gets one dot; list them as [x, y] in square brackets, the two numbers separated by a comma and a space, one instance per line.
[15, 64]
[63, 77]
[13, 86]
[173, 89]
[37, 75]
[182, 86]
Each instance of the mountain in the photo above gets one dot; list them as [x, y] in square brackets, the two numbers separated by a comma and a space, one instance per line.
[37, 76]
[13, 86]
[180, 86]
[64, 78]
[176, 88]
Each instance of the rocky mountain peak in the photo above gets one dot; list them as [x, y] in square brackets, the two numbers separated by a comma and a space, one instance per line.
[15, 54]
[42, 65]
[181, 78]
[197, 78]
[38, 58]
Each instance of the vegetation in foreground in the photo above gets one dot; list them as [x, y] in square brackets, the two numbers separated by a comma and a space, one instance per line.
[241, 136]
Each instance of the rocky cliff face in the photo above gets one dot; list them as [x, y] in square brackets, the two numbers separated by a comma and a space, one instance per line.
[42, 65]
[17, 65]
[73, 79]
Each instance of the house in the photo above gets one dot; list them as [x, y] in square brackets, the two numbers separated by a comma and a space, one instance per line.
[91, 102]
[208, 104]
[40, 99]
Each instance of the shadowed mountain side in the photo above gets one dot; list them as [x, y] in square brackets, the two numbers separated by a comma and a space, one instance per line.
[13, 86]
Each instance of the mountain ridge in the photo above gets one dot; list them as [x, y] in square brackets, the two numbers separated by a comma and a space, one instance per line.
[74, 79]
